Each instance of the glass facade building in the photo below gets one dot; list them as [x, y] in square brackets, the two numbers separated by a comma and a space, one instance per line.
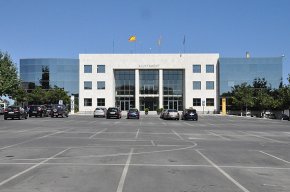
[63, 73]
[235, 71]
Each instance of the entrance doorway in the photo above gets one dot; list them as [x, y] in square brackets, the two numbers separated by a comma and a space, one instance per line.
[124, 105]
[151, 103]
[173, 105]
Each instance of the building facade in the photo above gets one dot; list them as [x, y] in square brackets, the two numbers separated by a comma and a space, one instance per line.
[47, 73]
[169, 81]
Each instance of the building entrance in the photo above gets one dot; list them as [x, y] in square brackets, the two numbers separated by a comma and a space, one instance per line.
[151, 103]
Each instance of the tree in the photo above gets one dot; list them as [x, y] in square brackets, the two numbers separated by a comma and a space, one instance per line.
[56, 94]
[37, 96]
[242, 96]
[9, 81]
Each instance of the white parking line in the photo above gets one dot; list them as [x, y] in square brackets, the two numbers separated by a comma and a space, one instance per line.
[98, 133]
[125, 170]
[181, 138]
[137, 134]
[153, 143]
[258, 136]
[275, 157]
[223, 172]
[217, 135]
[30, 168]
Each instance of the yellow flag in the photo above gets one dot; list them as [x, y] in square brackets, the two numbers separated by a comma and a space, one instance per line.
[132, 38]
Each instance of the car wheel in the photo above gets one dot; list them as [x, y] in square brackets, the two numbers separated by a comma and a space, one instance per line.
[5, 118]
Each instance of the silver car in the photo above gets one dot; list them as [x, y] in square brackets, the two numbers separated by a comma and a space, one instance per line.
[171, 114]
[100, 112]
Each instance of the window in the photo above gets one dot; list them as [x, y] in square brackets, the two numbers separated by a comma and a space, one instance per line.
[87, 85]
[101, 84]
[196, 85]
[88, 69]
[101, 102]
[210, 85]
[87, 101]
[101, 69]
[196, 68]
[196, 102]
[209, 68]
[210, 102]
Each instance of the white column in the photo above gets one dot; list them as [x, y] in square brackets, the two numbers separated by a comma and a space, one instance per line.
[72, 104]
[160, 88]
[137, 104]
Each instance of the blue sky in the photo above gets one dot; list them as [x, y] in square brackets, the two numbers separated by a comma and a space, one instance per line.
[65, 28]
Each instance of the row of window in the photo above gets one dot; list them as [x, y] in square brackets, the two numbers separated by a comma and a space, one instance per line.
[89, 69]
[196, 85]
[195, 69]
[89, 85]
[208, 68]
[207, 102]
[101, 102]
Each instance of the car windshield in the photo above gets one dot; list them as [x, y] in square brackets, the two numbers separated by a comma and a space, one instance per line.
[172, 110]
[113, 109]
[191, 111]
[133, 110]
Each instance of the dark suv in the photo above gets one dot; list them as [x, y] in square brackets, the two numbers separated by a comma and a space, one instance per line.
[15, 112]
[37, 111]
[189, 114]
[113, 112]
[58, 110]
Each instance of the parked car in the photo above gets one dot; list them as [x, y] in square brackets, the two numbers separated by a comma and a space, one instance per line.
[48, 109]
[113, 112]
[171, 114]
[15, 112]
[1, 110]
[189, 114]
[59, 110]
[37, 111]
[162, 114]
[284, 117]
[100, 112]
[133, 113]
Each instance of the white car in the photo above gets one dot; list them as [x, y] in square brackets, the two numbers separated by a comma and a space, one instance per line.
[100, 112]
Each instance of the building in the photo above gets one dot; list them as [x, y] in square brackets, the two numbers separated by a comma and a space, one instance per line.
[152, 81]
[170, 81]
[63, 73]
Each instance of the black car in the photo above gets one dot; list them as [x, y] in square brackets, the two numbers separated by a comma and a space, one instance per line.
[113, 112]
[284, 117]
[59, 110]
[133, 113]
[189, 114]
[37, 111]
[15, 112]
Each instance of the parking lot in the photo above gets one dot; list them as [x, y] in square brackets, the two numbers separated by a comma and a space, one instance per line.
[82, 153]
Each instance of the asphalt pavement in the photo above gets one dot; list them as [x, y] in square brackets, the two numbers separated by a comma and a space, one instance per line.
[86, 154]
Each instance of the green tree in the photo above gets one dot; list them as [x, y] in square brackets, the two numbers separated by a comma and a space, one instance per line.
[242, 96]
[56, 94]
[37, 96]
[9, 81]
[21, 96]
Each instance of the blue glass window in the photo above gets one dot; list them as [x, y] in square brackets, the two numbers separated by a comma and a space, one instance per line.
[196, 85]
[101, 102]
[210, 85]
[209, 68]
[87, 85]
[88, 69]
[101, 69]
[196, 68]
[101, 85]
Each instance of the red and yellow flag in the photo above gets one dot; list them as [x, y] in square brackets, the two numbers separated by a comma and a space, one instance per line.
[132, 38]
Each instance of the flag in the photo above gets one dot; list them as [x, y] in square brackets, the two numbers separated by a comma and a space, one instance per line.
[159, 41]
[132, 38]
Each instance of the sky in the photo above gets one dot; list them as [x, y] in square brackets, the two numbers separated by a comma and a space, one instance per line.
[66, 28]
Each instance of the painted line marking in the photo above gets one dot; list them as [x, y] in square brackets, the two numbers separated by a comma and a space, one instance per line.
[98, 133]
[125, 171]
[258, 136]
[192, 138]
[275, 157]
[33, 167]
[181, 138]
[137, 134]
[153, 143]
[223, 172]
[217, 135]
